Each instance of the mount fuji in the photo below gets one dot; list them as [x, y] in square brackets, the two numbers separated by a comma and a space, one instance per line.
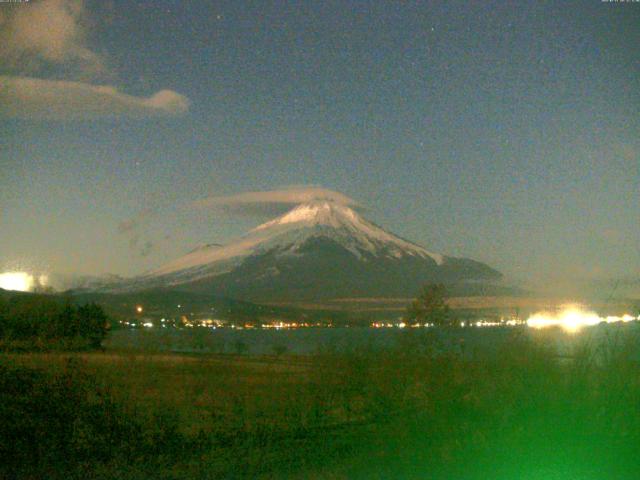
[318, 250]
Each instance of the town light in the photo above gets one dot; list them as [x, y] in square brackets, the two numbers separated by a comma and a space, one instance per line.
[572, 318]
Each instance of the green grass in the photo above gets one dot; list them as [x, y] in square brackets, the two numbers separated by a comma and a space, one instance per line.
[408, 412]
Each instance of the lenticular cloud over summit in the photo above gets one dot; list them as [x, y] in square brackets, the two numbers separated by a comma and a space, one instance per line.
[255, 202]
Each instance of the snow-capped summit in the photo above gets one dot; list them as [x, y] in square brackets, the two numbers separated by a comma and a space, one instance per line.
[319, 248]
[289, 231]
[316, 213]
[368, 236]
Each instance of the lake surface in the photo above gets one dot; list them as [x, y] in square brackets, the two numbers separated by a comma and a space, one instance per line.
[305, 341]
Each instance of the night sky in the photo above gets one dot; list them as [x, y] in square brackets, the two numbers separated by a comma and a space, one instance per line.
[508, 132]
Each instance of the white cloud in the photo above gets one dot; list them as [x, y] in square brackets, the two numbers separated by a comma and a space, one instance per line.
[34, 98]
[48, 36]
[49, 32]
[273, 200]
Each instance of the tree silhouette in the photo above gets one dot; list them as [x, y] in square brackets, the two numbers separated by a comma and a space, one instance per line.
[93, 324]
[38, 318]
[430, 306]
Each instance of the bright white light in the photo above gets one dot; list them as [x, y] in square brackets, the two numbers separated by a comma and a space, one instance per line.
[20, 281]
[572, 318]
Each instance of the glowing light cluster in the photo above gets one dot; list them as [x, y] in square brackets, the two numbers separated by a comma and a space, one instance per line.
[22, 281]
[512, 322]
[572, 318]
[279, 325]
[19, 281]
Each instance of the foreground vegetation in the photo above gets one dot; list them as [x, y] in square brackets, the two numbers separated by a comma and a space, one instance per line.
[32, 322]
[415, 411]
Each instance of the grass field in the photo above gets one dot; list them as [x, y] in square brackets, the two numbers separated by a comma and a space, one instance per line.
[404, 412]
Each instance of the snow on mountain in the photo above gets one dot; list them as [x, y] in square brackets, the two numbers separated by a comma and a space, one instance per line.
[319, 249]
[289, 231]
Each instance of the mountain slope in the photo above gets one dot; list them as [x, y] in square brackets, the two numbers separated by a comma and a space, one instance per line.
[317, 250]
